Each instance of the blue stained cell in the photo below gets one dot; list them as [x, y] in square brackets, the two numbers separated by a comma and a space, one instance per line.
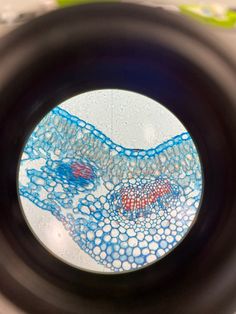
[120, 205]
[123, 258]
[139, 260]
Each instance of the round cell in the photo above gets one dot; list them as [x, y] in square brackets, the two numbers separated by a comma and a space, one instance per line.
[110, 181]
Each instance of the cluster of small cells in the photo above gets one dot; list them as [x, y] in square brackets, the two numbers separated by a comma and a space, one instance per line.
[123, 207]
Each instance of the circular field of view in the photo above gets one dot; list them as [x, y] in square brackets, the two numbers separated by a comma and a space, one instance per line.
[110, 181]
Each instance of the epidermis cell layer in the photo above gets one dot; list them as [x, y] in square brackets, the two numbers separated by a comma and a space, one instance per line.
[123, 207]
